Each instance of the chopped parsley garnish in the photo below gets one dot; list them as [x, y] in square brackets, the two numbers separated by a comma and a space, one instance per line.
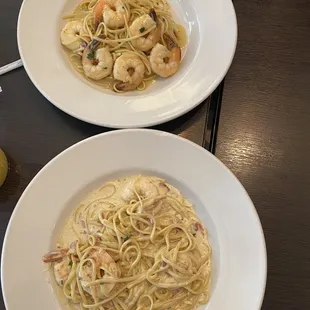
[126, 238]
[142, 29]
[70, 263]
[91, 55]
[105, 68]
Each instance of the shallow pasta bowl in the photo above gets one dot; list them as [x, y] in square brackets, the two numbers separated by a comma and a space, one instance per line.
[238, 248]
[212, 33]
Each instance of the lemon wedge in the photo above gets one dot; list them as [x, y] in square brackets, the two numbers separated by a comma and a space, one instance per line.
[3, 167]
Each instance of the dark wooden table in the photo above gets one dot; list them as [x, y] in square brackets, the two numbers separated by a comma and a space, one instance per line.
[263, 136]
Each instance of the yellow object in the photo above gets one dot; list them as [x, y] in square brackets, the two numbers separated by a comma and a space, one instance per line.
[3, 167]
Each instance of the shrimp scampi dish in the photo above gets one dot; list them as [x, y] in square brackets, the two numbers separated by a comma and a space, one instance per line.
[123, 45]
[133, 244]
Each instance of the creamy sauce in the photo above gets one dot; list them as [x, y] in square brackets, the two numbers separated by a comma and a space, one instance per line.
[119, 193]
[68, 234]
[115, 191]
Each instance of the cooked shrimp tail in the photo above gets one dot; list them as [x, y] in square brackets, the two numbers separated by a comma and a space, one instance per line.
[170, 42]
[123, 87]
[98, 9]
[55, 256]
[174, 48]
[61, 264]
[153, 15]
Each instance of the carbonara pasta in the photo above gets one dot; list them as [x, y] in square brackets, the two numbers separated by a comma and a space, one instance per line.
[135, 243]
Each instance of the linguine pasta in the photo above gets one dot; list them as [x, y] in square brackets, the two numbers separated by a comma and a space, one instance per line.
[135, 243]
[120, 40]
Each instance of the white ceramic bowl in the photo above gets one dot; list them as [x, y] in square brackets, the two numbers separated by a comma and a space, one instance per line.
[212, 34]
[235, 233]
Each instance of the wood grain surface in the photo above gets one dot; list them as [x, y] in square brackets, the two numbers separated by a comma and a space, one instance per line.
[264, 137]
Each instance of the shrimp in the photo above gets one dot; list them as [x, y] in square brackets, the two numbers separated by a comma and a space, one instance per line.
[62, 266]
[112, 12]
[70, 35]
[129, 69]
[153, 187]
[104, 264]
[55, 256]
[97, 64]
[142, 24]
[145, 187]
[165, 62]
